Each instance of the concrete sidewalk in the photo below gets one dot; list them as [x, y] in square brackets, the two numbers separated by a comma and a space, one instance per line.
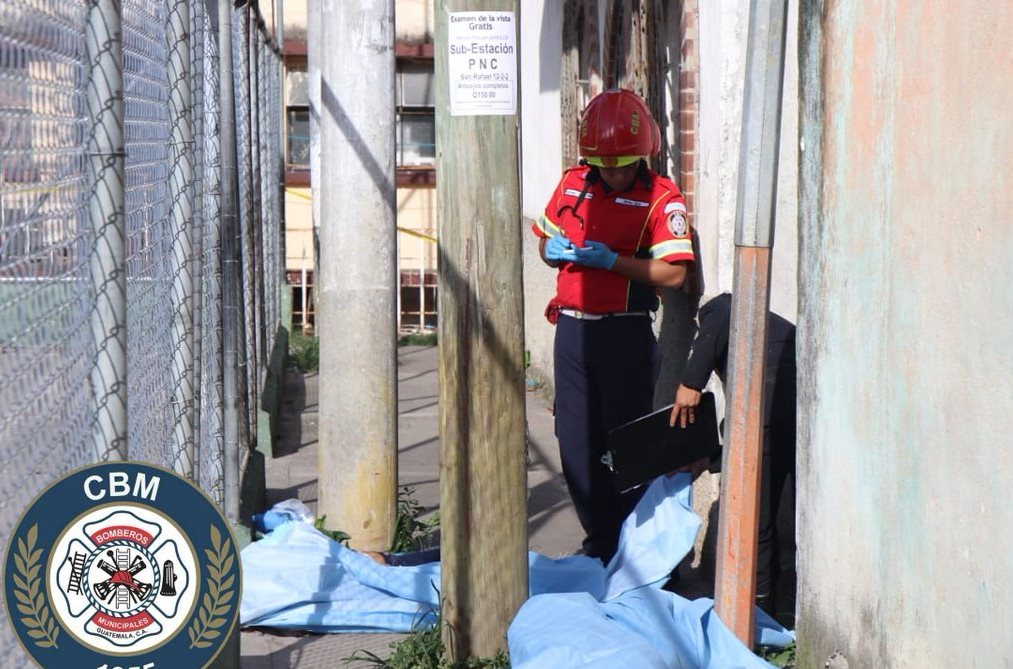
[553, 526]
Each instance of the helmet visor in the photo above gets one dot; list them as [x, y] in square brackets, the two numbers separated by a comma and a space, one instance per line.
[611, 161]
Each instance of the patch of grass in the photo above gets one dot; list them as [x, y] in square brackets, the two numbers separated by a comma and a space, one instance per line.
[423, 649]
[410, 533]
[780, 657]
[304, 351]
[336, 535]
[418, 339]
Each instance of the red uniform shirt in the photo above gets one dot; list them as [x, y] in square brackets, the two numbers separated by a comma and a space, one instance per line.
[642, 222]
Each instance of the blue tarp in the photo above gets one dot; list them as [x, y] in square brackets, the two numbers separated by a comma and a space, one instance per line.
[580, 613]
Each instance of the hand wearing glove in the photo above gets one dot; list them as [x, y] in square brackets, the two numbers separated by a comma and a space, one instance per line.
[559, 248]
[595, 254]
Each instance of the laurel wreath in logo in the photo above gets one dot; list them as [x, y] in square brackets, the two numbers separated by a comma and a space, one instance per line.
[31, 600]
[215, 603]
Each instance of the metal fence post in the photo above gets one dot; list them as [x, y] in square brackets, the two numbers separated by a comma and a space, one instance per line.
[106, 212]
[230, 264]
[198, 64]
[738, 522]
[181, 181]
[254, 312]
[247, 358]
[212, 435]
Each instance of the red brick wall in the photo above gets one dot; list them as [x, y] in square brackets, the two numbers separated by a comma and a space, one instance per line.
[689, 75]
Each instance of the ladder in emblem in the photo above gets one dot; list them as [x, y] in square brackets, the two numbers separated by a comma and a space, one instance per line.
[76, 573]
[122, 563]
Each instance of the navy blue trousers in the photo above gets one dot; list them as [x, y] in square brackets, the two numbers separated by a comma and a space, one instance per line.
[778, 464]
[605, 372]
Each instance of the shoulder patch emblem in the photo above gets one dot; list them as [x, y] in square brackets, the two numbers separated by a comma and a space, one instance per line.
[677, 224]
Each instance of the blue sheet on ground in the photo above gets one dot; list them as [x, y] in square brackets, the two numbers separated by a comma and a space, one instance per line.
[580, 613]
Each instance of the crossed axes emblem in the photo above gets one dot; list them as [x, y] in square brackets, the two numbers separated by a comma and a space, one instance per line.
[122, 578]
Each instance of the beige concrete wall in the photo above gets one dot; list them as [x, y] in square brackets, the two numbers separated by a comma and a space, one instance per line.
[294, 19]
[416, 206]
[724, 27]
[298, 229]
[413, 20]
[416, 212]
[906, 334]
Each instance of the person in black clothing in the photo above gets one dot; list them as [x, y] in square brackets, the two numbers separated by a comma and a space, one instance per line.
[709, 353]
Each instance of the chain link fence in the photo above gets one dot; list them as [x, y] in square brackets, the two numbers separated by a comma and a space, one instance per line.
[119, 248]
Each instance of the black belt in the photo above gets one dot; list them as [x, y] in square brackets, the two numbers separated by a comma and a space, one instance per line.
[585, 316]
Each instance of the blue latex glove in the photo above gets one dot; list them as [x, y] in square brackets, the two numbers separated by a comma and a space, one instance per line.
[595, 254]
[559, 248]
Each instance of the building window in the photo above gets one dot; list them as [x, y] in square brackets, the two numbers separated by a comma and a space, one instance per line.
[297, 117]
[416, 113]
[303, 300]
[419, 297]
[303, 316]
[21, 237]
[298, 155]
[416, 138]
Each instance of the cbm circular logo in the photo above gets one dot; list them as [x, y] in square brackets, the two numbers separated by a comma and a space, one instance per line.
[122, 566]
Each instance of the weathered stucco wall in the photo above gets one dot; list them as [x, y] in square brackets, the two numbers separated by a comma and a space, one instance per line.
[905, 339]
[541, 151]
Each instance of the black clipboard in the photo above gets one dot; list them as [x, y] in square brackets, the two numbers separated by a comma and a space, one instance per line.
[648, 447]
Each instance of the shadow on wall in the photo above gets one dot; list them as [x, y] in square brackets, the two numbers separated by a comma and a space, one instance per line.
[550, 45]
[675, 336]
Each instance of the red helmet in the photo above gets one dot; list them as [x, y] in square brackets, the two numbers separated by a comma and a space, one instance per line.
[617, 129]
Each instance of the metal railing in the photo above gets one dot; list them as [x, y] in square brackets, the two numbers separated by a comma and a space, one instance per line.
[118, 248]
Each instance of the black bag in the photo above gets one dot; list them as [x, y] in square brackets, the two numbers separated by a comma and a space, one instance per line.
[648, 447]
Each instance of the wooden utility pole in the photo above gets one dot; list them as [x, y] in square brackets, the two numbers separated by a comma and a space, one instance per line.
[483, 504]
[738, 521]
[357, 286]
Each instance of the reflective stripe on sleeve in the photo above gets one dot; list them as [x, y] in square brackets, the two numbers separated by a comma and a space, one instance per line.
[547, 227]
[673, 247]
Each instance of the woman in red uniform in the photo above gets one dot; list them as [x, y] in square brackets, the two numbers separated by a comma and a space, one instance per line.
[616, 231]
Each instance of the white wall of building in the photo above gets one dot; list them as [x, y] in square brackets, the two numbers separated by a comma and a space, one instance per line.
[541, 167]
[724, 26]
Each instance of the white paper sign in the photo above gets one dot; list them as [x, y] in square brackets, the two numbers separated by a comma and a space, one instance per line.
[482, 64]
